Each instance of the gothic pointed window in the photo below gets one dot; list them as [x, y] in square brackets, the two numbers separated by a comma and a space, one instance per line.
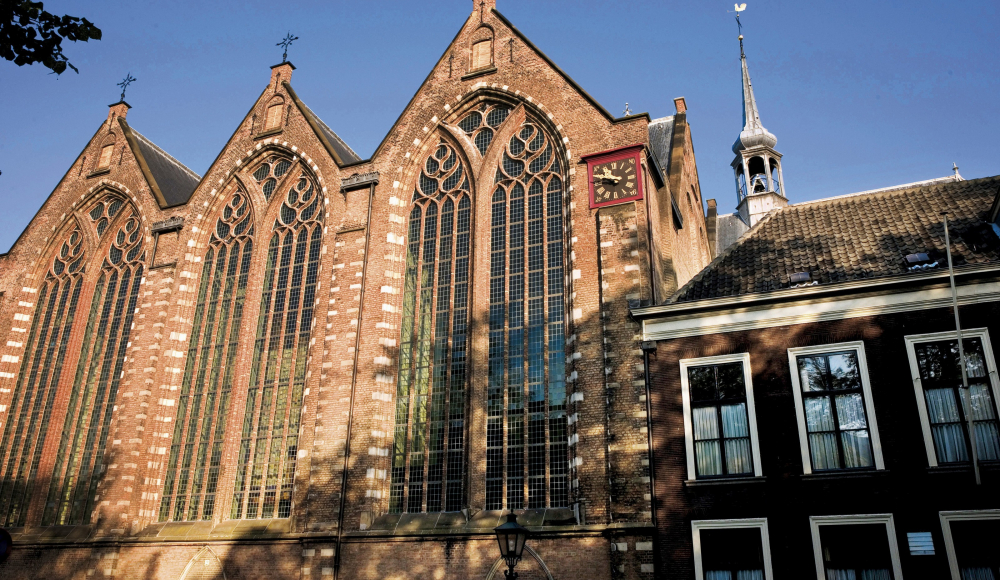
[79, 463]
[269, 173]
[30, 410]
[482, 123]
[526, 438]
[429, 439]
[195, 460]
[269, 435]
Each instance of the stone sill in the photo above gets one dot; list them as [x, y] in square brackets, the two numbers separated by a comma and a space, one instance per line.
[101, 171]
[723, 481]
[844, 474]
[479, 73]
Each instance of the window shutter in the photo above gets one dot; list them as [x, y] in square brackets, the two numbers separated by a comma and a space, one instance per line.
[106, 153]
[273, 117]
[481, 56]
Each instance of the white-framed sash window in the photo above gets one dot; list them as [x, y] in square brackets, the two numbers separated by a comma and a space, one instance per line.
[731, 549]
[834, 408]
[720, 424]
[855, 547]
[970, 541]
[942, 400]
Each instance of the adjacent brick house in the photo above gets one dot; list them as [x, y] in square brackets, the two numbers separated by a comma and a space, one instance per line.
[306, 364]
[808, 410]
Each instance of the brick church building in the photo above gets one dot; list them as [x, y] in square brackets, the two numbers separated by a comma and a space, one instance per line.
[305, 364]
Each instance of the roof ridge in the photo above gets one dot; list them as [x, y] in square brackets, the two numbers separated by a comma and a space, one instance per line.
[888, 189]
[169, 157]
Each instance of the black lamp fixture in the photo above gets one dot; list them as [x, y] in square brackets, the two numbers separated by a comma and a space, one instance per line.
[511, 538]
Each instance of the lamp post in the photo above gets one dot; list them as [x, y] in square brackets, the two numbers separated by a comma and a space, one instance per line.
[511, 538]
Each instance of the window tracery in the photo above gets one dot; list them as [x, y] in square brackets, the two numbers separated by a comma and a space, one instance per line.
[429, 439]
[526, 454]
[269, 172]
[103, 212]
[31, 407]
[195, 460]
[482, 123]
[269, 436]
[80, 458]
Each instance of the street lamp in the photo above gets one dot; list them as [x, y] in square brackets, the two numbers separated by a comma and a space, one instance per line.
[511, 537]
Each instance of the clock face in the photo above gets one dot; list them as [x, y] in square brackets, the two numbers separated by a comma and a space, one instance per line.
[615, 180]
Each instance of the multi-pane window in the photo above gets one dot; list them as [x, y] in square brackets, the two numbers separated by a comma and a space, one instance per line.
[970, 539]
[195, 460]
[269, 173]
[79, 462]
[429, 437]
[855, 547]
[833, 407]
[719, 422]
[946, 405]
[526, 438]
[31, 407]
[731, 550]
[482, 123]
[265, 466]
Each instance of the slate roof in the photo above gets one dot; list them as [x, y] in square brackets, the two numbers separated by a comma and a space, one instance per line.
[661, 138]
[854, 237]
[171, 181]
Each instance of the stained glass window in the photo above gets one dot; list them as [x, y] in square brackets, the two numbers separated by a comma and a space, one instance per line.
[269, 435]
[195, 460]
[79, 462]
[31, 407]
[429, 437]
[526, 438]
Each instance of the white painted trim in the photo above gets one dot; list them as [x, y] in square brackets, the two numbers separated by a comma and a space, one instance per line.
[806, 311]
[751, 409]
[760, 523]
[859, 348]
[816, 521]
[949, 542]
[918, 389]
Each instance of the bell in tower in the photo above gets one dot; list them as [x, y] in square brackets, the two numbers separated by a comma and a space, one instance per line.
[757, 165]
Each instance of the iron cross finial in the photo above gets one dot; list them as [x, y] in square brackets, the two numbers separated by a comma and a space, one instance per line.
[627, 111]
[288, 40]
[125, 83]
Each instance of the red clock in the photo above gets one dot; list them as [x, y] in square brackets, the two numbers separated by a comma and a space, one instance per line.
[615, 176]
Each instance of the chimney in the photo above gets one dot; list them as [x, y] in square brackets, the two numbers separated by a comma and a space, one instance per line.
[711, 225]
[281, 73]
[681, 105]
[115, 110]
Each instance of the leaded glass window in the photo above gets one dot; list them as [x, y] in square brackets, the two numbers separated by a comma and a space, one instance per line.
[429, 438]
[270, 172]
[79, 462]
[482, 123]
[269, 436]
[195, 460]
[526, 455]
[34, 395]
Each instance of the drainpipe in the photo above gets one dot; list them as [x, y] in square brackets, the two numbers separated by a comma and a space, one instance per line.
[354, 382]
[649, 346]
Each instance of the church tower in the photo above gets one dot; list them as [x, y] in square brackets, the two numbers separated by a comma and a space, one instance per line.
[757, 166]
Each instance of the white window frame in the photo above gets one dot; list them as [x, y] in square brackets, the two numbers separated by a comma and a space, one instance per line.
[860, 519]
[918, 389]
[757, 523]
[949, 542]
[859, 348]
[751, 410]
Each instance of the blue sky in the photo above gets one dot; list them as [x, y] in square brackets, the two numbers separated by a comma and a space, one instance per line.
[860, 94]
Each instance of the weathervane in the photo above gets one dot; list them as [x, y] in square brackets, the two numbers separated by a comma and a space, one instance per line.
[125, 83]
[739, 25]
[289, 39]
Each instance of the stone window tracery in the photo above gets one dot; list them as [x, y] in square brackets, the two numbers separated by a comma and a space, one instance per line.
[269, 435]
[195, 460]
[526, 446]
[428, 460]
[30, 409]
[79, 461]
[482, 123]
[270, 172]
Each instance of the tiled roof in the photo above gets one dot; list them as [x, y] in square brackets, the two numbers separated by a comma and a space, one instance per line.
[166, 176]
[854, 238]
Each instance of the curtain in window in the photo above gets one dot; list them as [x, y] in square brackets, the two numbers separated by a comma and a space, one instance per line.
[31, 405]
[719, 420]
[977, 574]
[739, 575]
[836, 420]
[269, 438]
[195, 460]
[80, 460]
[858, 575]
